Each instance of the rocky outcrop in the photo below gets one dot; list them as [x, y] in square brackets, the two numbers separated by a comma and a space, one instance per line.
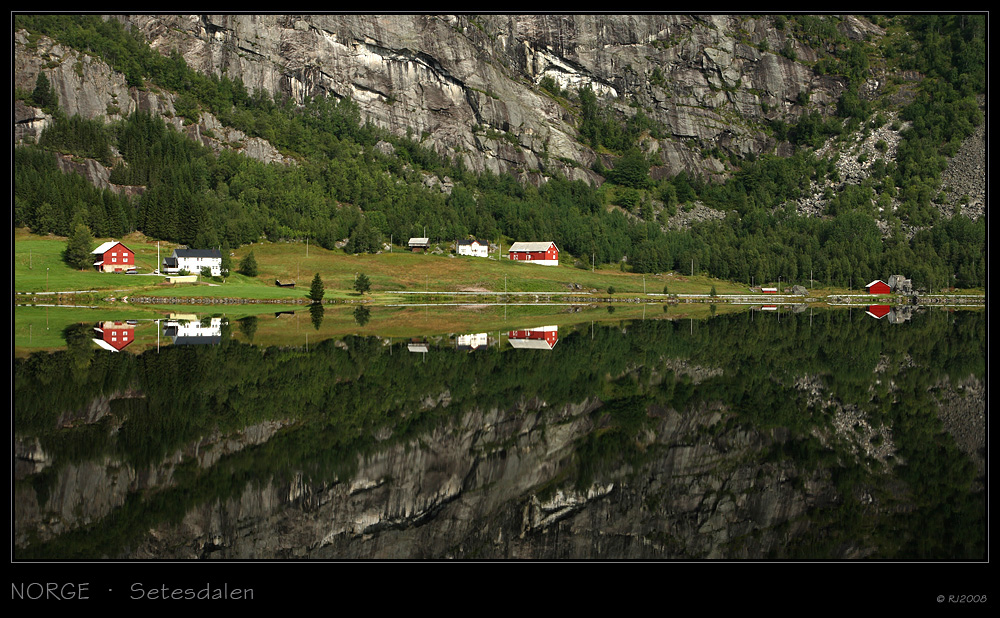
[964, 180]
[90, 88]
[468, 84]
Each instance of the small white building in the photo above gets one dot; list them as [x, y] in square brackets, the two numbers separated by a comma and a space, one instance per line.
[473, 248]
[419, 244]
[193, 260]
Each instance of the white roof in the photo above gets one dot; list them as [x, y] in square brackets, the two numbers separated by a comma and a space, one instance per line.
[876, 281]
[104, 344]
[420, 241]
[105, 246]
[532, 246]
[530, 344]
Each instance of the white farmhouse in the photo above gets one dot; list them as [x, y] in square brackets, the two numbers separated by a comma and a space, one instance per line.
[193, 260]
[474, 248]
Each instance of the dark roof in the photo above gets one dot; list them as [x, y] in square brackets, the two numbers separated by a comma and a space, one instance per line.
[198, 253]
[170, 261]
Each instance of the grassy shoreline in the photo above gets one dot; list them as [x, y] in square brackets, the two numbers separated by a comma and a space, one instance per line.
[38, 268]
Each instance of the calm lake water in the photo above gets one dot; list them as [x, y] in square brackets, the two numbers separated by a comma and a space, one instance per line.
[758, 433]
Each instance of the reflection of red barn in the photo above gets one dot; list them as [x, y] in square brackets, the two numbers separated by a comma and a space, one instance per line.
[542, 338]
[113, 256]
[878, 311]
[114, 336]
[878, 287]
[535, 252]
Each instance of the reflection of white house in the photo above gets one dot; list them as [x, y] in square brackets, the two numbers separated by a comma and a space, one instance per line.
[193, 260]
[183, 331]
[472, 342]
[417, 347]
[473, 248]
[542, 338]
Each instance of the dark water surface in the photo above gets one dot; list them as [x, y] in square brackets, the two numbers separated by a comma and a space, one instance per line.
[759, 434]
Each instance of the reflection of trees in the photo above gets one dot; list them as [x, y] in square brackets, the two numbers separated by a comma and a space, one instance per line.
[79, 348]
[248, 326]
[316, 312]
[362, 315]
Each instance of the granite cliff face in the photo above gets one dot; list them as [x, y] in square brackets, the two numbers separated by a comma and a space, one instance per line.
[469, 86]
[461, 80]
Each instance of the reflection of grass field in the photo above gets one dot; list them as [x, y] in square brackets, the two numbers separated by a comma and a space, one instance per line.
[40, 328]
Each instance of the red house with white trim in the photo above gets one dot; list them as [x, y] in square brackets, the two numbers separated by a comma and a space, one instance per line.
[542, 338]
[545, 253]
[113, 256]
[878, 287]
[114, 335]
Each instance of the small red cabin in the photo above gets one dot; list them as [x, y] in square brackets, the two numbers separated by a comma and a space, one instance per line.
[878, 287]
[113, 256]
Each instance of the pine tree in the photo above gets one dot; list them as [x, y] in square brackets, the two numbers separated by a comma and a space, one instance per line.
[362, 284]
[44, 96]
[248, 266]
[316, 291]
[78, 247]
[227, 260]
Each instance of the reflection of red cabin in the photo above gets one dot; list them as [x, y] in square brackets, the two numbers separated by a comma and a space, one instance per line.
[535, 252]
[113, 256]
[878, 287]
[878, 311]
[114, 335]
[542, 338]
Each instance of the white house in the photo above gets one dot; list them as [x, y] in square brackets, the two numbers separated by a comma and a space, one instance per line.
[473, 248]
[193, 260]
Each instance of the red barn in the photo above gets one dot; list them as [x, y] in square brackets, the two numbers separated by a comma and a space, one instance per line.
[542, 338]
[114, 335]
[769, 290]
[878, 287]
[878, 311]
[113, 256]
[535, 252]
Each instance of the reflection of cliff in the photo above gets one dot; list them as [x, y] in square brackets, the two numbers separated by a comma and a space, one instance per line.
[470, 489]
[654, 441]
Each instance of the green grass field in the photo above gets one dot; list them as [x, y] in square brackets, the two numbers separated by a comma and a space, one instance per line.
[38, 267]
